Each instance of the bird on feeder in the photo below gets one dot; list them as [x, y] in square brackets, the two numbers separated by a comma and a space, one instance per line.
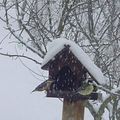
[86, 88]
[44, 86]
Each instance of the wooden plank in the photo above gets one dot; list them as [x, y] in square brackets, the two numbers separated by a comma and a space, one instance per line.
[73, 110]
[71, 96]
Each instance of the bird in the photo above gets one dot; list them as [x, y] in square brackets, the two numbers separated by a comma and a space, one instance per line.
[44, 86]
[86, 88]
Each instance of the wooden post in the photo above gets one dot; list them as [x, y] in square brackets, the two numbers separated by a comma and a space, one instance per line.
[73, 110]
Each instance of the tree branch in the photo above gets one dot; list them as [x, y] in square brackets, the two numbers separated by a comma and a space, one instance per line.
[21, 56]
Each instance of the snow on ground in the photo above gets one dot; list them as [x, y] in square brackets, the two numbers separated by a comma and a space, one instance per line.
[58, 44]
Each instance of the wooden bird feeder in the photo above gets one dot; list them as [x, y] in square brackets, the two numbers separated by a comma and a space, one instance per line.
[65, 64]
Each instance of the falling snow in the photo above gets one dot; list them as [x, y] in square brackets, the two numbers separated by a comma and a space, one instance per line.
[58, 44]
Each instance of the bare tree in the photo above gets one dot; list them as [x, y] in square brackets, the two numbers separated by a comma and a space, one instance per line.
[93, 24]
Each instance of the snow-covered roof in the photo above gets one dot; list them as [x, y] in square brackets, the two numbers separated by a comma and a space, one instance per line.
[58, 44]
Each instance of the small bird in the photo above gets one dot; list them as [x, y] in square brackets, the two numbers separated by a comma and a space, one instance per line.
[44, 85]
[86, 88]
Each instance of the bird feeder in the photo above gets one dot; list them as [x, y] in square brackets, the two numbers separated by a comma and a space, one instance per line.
[69, 66]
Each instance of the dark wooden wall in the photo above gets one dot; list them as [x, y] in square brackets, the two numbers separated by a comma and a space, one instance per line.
[67, 59]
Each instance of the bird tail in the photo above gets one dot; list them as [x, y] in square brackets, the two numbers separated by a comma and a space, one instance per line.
[33, 91]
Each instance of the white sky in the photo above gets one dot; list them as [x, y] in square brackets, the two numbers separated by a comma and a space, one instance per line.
[16, 101]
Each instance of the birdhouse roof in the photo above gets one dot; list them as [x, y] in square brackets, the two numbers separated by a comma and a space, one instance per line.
[57, 45]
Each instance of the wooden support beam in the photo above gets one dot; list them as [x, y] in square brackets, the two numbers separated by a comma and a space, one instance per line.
[73, 110]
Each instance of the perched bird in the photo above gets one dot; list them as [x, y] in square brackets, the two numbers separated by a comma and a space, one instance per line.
[86, 88]
[44, 85]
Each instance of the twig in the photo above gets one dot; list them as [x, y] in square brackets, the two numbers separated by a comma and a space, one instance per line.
[21, 56]
[31, 70]
[112, 92]
[4, 38]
